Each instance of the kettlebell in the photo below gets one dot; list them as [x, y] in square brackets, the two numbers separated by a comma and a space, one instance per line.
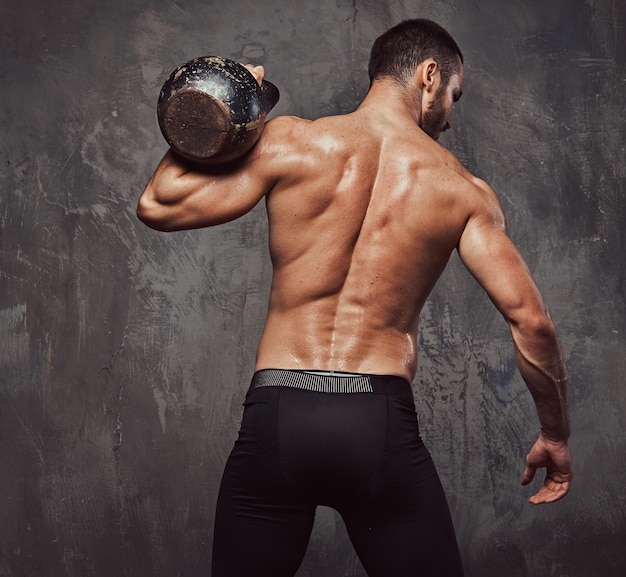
[211, 110]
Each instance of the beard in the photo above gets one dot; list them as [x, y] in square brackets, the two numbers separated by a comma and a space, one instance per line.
[434, 119]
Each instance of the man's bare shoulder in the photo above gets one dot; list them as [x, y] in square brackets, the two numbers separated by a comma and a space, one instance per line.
[288, 128]
[296, 146]
[487, 203]
[282, 124]
[451, 167]
[438, 170]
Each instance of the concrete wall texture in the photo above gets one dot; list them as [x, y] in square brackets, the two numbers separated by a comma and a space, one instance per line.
[125, 353]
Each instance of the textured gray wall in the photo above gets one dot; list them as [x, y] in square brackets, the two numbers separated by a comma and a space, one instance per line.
[125, 352]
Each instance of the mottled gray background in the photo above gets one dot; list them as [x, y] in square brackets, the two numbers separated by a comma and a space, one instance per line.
[125, 353]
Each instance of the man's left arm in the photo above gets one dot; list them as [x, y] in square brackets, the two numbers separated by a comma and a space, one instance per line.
[497, 265]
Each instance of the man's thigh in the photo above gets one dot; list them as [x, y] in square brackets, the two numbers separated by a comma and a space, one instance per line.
[405, 530]
[260, 529]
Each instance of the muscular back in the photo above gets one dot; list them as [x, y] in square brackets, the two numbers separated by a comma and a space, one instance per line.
[363, 219]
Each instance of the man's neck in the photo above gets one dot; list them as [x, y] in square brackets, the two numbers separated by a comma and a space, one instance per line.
[392, 103]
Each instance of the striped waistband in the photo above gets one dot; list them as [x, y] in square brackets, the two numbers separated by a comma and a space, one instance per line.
[332, 382]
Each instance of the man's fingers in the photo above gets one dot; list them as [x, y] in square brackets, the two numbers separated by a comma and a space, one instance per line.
[529, 474]
[556, 458]
[257, 71]
[550, 492]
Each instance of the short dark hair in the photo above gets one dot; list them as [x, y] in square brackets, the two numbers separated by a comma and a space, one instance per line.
[397, 53]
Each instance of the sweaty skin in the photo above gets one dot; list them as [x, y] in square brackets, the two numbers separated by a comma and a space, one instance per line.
[364, 212]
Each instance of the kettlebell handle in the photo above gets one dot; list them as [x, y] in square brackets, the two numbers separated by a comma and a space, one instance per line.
[269, 95]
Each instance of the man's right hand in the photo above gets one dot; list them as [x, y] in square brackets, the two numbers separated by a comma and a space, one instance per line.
[555, 456]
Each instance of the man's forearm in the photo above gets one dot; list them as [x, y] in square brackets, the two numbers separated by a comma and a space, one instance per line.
[546, 376]
[173, 180]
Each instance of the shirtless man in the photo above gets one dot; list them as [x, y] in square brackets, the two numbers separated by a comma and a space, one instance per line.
[364, 211]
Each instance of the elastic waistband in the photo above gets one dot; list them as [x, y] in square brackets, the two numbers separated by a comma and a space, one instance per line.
[333, 382]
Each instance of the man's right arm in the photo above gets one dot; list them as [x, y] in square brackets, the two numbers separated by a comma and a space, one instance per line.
[182, 195]
[497, 265]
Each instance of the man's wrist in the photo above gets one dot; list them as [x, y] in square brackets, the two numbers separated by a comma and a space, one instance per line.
[555, 437]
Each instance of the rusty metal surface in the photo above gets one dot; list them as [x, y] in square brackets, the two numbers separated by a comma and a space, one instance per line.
[212, 110]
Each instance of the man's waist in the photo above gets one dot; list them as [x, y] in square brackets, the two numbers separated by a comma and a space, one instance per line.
[333, 382]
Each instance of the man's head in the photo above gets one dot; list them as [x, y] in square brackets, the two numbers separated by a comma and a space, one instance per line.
[397, 53]
[420, 56]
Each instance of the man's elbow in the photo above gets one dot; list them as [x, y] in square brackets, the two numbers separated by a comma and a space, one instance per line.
[152, 214]
[536, 324]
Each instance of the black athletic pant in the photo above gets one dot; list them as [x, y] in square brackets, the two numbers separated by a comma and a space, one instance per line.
[357, 452]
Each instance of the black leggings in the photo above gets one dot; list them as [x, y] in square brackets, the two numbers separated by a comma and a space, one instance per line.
[357, 452]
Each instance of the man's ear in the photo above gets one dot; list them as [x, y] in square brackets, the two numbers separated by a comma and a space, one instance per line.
[430, 72]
